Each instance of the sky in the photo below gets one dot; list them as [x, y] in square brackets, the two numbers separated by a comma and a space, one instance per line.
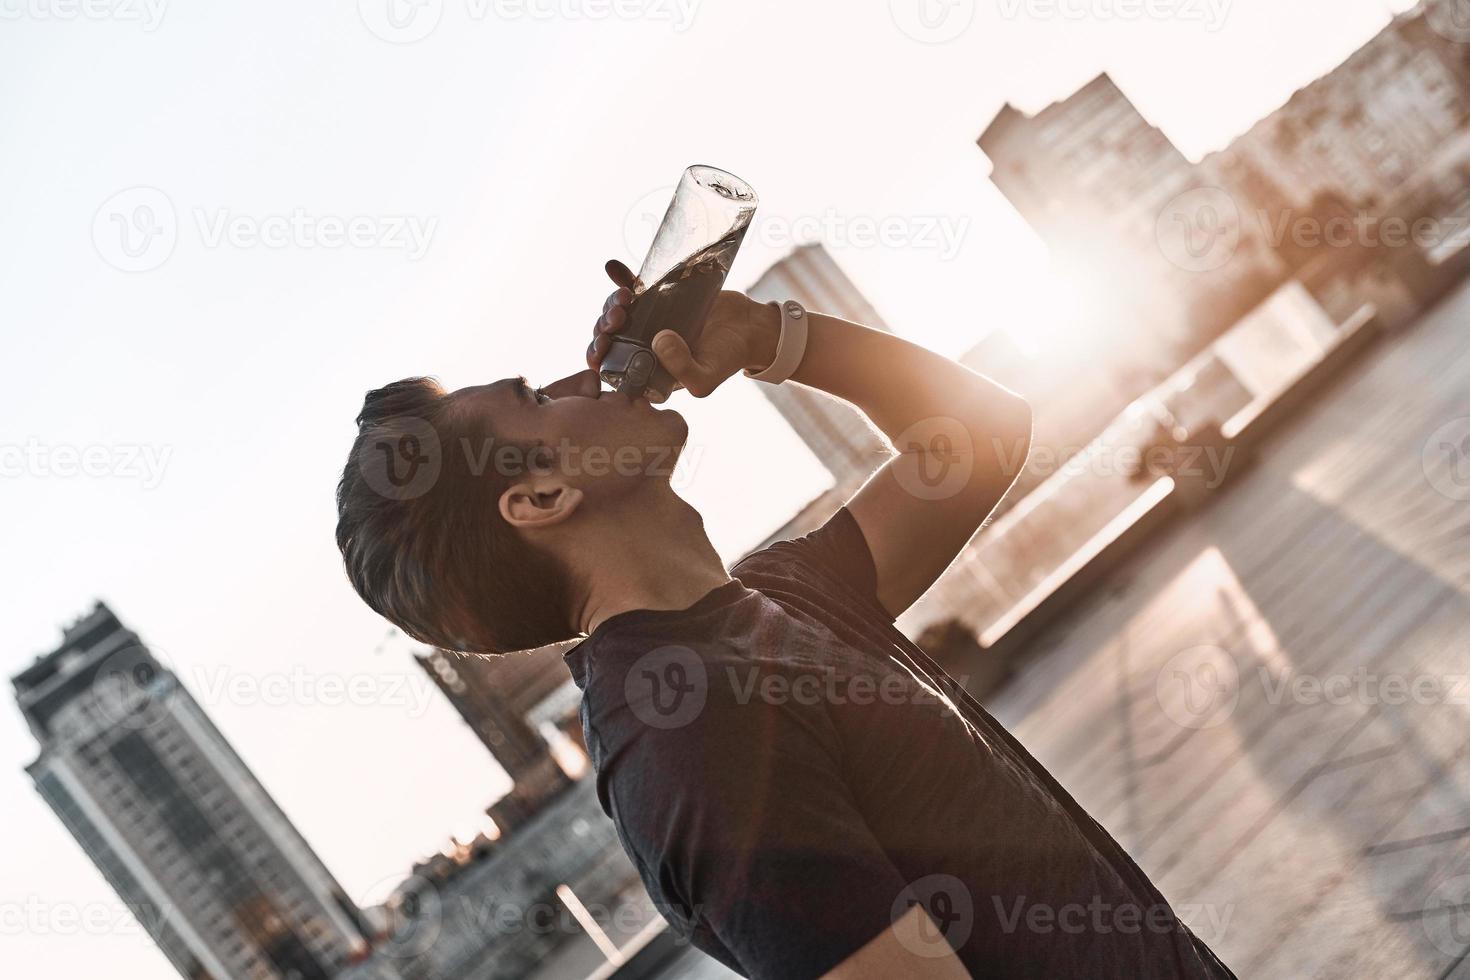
[225, 222]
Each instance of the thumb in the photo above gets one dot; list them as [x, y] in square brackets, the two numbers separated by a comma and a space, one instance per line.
[676, 357]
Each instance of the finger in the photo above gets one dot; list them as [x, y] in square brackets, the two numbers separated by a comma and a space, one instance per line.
[620, 273]
[674, 354]
[596, 351]
[614, 319]
[617, 300]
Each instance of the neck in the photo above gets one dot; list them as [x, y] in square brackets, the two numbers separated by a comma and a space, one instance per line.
[667, 563]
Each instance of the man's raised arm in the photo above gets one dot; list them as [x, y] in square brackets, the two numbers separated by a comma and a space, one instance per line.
[960, 440]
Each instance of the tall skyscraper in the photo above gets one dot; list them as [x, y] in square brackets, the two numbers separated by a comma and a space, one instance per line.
[178, 825]
[836, 433]
[498, 697]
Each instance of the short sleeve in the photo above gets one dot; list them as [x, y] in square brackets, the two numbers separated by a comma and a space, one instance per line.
[836, 553]
[745, 830]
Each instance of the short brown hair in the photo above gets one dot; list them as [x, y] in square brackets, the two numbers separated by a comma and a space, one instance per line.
[428, 550]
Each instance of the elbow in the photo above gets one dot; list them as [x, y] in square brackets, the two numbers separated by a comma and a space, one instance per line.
[1011, 429]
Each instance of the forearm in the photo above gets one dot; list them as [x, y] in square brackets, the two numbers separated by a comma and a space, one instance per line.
[906, 390]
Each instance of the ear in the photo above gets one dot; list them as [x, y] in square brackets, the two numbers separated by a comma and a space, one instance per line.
[526, 506]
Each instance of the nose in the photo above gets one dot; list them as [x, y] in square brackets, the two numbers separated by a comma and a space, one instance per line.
[583, 384]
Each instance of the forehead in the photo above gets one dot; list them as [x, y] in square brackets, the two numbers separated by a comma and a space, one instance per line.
[505, 405]
[501, 396]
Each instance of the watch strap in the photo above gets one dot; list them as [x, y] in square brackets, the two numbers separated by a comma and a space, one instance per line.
[790, 347]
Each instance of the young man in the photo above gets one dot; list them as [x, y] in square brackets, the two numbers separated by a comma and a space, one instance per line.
[802, 790]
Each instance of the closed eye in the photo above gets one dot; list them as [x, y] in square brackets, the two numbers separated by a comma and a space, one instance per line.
[525, 392]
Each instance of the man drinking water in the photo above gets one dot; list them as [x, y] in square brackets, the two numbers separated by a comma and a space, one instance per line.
[803, 791]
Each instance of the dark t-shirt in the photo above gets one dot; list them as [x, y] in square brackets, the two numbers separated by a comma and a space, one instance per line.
[790, 774]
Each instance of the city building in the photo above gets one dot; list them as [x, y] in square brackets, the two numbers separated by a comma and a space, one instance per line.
[523, 706]
[559, 900]
[175, 821]
[836, 433]
[1101, 184]
[1360, 132]
[1168, 253]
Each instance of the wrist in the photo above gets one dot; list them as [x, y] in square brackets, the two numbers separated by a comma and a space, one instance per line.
[763, 336]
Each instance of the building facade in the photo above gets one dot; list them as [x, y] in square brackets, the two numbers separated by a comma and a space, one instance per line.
[1130, 221]
[175, 821]
[837, 434]
[517, 705]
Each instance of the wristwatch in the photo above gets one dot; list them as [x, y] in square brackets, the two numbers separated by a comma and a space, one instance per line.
[790, 348]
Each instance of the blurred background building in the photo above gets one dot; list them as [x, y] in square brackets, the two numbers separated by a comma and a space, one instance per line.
[836, 433]
[523, 707]
[181, 829]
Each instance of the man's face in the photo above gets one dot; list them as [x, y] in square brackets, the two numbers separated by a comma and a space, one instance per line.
[597, 440]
